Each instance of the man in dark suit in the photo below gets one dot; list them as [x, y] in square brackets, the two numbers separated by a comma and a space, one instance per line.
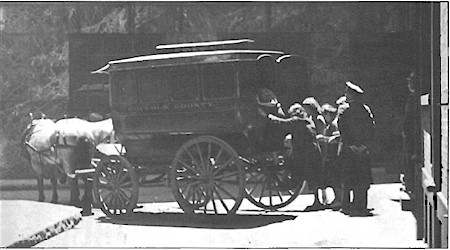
[356, 126]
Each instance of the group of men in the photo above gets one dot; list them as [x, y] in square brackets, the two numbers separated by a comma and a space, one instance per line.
[328, 146]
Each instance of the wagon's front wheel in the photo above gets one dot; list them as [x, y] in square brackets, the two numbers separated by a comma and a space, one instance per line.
[116, 186]
[207, 176]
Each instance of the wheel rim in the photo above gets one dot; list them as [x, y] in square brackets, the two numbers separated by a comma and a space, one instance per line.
[266, 186]
[115, 186]
[207, 176]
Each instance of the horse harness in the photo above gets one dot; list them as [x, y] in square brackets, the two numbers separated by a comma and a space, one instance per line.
[52, 148]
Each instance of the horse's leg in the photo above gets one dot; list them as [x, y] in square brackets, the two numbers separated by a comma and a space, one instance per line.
[54, 182]
[40, 184]
[74, 192]
[87, 198]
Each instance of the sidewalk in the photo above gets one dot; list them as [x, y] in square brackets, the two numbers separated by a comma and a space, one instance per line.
[26, 223]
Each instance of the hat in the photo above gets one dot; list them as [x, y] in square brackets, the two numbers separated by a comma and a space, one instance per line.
[294, 107]
[341, 100]
[266, 97]
[311, 101]
[328, 108]
[354, 87]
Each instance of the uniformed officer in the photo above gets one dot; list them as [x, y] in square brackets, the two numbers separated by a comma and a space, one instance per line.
[356, 126]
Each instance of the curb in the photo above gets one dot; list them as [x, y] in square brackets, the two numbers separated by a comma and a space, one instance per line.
[27, 223]
[47, 233]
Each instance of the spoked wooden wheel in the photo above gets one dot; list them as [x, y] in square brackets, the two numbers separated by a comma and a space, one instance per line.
[207, 176]
[115, 186]
[271, 187]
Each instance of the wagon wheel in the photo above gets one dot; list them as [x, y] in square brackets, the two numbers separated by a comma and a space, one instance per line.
[271, 187]
[116, 185]
[207, 175]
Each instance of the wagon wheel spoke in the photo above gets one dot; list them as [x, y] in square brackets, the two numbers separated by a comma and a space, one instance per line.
[189, 192]
[213, 201]
[202, 162]
[123, 176]
[208, 166]
[257, 182]
[104, 184]
[226, 175]
[118, 173]
[126, 192]
[263, 188]
[270, 180]
[107, 197]
[219, 154]
[220, 197]
[191, 156]
[127, 184]
[253, 177]
[187, 176]
[221, 167]
[188, 166]
[125, 196]
[121, 199]
[225, 191]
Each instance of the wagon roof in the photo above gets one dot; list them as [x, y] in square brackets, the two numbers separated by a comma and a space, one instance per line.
[180, 58]
[203, 44]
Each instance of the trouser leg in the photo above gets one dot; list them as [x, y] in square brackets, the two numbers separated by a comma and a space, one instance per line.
[360, 198]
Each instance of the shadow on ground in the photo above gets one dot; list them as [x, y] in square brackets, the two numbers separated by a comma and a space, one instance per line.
[197, 221]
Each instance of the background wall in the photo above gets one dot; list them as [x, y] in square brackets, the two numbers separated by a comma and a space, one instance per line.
[370, 43]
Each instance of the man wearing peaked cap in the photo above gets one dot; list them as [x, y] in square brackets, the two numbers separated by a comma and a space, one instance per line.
[356, 126]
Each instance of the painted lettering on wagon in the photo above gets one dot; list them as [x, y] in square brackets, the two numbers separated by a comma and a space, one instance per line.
[176, 106]
[193, 105]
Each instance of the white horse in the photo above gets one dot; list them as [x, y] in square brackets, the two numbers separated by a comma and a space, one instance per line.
[58, 149]
[38, 141]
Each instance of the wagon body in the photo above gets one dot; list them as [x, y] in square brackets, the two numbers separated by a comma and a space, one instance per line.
[193, 107]
[159, 101]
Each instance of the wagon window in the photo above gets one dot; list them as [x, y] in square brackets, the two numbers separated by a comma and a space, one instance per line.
[124, 87]
[183, 82]
[152, 86]
[219, 81]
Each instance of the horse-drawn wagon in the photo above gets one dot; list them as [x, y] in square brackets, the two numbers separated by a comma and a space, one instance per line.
[190, 111]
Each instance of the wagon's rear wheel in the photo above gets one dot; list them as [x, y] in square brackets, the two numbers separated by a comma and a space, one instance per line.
[207, 176]
[272, 187]
[116, 186]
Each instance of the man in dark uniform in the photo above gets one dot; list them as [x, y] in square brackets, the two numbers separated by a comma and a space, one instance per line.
[356, 126]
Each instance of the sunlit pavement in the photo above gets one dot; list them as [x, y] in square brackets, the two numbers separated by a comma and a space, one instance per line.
[161, 223]
[25, 223]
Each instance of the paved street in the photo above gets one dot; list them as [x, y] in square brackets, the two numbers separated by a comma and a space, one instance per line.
[162, 224]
